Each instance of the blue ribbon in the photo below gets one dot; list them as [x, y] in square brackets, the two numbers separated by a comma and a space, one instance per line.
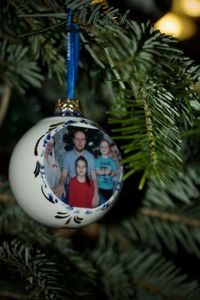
[73, 51]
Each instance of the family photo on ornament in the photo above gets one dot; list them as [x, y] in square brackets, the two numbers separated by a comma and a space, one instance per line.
[82, 166]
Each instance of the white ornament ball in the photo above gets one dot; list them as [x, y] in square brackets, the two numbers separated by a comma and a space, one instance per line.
[35, 171]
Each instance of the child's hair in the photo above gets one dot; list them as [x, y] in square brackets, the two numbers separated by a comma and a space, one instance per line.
[86, 163]
[74, 132]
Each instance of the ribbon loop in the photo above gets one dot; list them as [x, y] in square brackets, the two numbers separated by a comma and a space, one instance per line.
[73, 50]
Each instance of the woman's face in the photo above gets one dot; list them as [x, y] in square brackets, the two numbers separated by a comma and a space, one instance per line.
[49, 147]
[114, 153]
[81, 168]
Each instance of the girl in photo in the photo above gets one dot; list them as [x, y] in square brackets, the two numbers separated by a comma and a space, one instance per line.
[105, 169]
[81, 188]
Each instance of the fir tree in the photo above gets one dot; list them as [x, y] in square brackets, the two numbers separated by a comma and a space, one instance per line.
[151, 92]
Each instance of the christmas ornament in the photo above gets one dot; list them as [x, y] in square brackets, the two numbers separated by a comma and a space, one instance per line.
[66, 171]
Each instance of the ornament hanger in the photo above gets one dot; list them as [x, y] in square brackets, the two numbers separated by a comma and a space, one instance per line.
[72, 59]
[70, 105]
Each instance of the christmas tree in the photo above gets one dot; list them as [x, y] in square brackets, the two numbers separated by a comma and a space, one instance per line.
[148, 90]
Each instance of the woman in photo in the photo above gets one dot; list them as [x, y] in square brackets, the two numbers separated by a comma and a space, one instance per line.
[117, 158]
[81, 188]
[52, 169]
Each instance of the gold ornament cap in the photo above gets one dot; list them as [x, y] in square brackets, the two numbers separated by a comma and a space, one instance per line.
[68, 107]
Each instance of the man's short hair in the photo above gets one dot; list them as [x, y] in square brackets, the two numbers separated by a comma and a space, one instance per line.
[78, 130]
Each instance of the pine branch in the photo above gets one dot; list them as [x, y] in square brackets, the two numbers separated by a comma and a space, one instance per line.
[171, 228]
[73, 258]
[41, 273]
[114, 282]
[4, 102]
[170, 217]
[185, 189]
[156, 103]
[18, 70]
[17, 224]
[152, 272]
[142, 273]
[146, 132]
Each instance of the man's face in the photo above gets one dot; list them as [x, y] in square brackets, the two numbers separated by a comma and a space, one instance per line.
[79, 141]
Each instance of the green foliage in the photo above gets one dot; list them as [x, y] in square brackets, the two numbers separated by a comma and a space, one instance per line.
[151, 109]
[151, 272]
[138, 273]
[17, 69]
[15, 222]
[169, 216]
[154, 101]
[114, 281]
[154, 105]
[156, 227]
[185, 189]
[34, 266]
[149, 121]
